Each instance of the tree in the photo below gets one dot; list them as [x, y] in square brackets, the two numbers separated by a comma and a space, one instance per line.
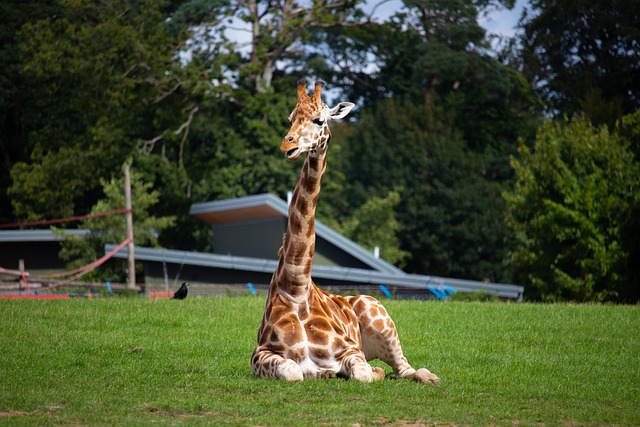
[98, 76]
[276, 30]
[14, 100]
[112, 229]
[436, 50]
[628, 128]
[374, 224]
[450, 216]
[443, 33]
[569, 210]
[449, 154]
[584, 56]
[202, 118]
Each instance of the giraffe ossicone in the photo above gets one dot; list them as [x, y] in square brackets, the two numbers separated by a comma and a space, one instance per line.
[305, 331]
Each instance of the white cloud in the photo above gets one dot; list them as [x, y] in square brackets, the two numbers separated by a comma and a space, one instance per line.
[503, 22]
[498, 21]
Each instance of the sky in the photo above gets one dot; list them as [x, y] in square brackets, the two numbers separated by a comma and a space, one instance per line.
[503, 22]
[499, 22]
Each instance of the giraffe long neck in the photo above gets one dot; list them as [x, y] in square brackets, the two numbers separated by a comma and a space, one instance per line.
[294, 269]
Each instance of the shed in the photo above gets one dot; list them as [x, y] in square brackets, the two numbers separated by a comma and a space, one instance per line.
[39, 248]
[253, 226]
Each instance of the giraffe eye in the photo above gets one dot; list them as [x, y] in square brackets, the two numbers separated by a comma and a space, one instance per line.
[318, 122]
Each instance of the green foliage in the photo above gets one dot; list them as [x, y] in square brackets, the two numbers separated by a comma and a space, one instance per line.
[112, 229]
[36, 189]
[493, 107]
[583, 56]
[234, 152]
[430, 43]
[98, 72]
[452, 223]
[574, 193]
[375, 224]
[14, 95]
[449, 153]
[277, 30]
[135, 361]
[450, 215]
[87, 86]
[175, 189]
[628, 128]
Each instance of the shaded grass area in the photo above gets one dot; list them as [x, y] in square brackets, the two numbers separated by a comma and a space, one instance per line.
[139, 362]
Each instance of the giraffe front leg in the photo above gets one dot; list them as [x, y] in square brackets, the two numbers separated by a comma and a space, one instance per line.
[267, 364]
[357, 368]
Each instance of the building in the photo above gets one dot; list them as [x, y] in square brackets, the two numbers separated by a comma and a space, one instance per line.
[247, 234]
[39, 249]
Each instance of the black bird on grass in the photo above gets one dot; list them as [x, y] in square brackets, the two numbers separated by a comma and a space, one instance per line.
[182, 292]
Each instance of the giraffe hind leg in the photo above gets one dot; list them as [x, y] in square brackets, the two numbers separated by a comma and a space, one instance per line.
[380, 339]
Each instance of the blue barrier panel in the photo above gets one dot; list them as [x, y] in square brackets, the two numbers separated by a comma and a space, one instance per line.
[449, 290]
[437, 292]
[385, 291]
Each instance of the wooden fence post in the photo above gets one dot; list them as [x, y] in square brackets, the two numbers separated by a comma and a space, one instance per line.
[129, 219]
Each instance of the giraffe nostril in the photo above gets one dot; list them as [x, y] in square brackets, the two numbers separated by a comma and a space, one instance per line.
[290, 139]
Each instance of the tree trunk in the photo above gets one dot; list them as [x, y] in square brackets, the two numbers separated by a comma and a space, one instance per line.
[263, 78]
[432, 82]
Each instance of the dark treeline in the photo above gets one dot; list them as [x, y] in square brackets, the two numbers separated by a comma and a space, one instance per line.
[519, 165]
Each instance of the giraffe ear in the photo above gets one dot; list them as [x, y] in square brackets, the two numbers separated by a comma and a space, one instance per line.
[292, 115]
[341, 110]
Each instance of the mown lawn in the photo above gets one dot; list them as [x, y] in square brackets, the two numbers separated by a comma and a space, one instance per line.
[134, 361]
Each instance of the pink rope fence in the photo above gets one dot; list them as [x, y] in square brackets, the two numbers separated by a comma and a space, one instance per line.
[73, 274]
[68, 219]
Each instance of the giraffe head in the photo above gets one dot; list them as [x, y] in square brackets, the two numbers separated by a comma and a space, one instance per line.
[309, 122]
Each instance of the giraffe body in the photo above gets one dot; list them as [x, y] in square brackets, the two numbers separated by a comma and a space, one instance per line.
[305, 331]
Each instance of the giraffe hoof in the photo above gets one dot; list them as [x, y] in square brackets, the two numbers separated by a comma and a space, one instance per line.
[362, 372]
[378, 373]
[328, 375]
[423, 375]
[290, 371]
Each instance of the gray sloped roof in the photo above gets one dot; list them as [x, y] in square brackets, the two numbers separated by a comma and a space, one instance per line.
[37, 235]
[271, 206]
[319, 272]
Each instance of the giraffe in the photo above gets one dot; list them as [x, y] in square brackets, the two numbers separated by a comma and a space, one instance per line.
[307, 332]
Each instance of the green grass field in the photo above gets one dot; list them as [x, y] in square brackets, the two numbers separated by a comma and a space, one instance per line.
[134, 361]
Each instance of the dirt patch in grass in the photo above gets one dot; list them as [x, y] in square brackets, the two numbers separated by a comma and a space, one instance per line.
[167, 412]
[203, 414]
[407, 423]
[50, 409]
[13, 413]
